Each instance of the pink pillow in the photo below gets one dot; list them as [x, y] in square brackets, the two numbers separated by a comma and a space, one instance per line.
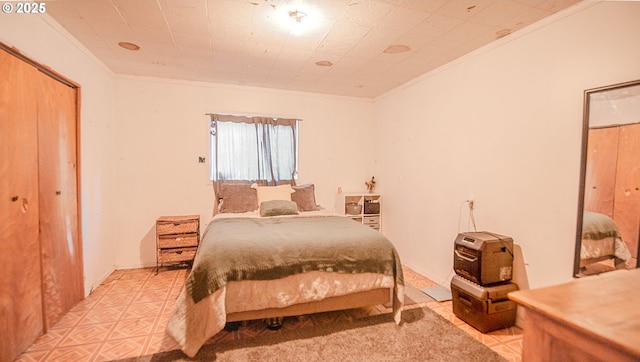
[305, 197]
[237, 197]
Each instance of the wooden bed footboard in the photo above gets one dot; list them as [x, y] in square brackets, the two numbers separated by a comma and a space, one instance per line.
[378, 296]
[619, 263]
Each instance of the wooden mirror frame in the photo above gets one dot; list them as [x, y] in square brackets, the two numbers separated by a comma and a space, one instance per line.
[583, 166]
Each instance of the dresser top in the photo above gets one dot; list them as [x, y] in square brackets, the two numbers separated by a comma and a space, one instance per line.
[605, 306]
[178, 218]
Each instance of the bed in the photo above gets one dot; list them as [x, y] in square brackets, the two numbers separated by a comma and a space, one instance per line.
[287, 258]
[601, 241]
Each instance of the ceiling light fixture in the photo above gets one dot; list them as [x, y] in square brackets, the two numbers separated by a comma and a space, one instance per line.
[129, 46]
[298, 27]
[298, 18]
[396, 48]
[297, 15]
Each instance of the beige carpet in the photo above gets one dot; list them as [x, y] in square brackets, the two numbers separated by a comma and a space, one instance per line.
[423, 335]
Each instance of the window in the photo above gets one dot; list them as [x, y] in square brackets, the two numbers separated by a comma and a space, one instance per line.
[253, 148]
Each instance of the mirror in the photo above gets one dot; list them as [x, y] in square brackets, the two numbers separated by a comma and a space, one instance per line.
[608, 226]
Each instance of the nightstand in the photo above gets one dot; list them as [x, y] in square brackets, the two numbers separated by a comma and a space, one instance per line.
[177, 239]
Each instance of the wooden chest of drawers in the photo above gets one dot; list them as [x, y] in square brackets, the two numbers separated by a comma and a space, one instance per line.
[177, 239]
[594, 318]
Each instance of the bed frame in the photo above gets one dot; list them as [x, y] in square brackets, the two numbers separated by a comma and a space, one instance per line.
[619, 263]
[380, 296]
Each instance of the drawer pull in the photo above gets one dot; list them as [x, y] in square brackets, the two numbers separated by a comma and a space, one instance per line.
[465, 300]
[179, 252]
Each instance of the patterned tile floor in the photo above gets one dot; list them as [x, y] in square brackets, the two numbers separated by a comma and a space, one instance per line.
[126, 317]
[507, 342]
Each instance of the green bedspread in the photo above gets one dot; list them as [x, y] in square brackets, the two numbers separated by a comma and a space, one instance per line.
[235, 249]
[596, 226]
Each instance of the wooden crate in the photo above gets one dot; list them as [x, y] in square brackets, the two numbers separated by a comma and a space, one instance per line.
[177, 239]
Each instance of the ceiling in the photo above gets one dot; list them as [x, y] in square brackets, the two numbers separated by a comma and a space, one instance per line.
[253, 42]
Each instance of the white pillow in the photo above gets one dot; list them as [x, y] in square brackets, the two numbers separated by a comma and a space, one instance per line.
[268, 193]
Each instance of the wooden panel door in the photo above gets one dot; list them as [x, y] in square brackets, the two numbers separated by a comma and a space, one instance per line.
[62, 272]
[600, 178]
[20, 288]
[627, 199]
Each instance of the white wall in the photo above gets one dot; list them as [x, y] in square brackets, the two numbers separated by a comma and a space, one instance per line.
[162, 129]
[44, 41]
[501, 126]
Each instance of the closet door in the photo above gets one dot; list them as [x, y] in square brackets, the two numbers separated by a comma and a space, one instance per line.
[600, 178]
[626, 211]
[20, 287]
[62, 277]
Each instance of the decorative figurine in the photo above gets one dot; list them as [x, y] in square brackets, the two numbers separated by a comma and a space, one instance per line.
[371, 184]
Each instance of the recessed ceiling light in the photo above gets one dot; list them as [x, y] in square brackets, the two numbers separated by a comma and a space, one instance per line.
[324, 63]
[129, 46]
[502, 33]
[396, 48]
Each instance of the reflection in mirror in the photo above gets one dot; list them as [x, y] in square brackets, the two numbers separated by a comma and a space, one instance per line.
[609, 203]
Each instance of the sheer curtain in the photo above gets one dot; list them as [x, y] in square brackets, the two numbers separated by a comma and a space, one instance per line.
[257, 149]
